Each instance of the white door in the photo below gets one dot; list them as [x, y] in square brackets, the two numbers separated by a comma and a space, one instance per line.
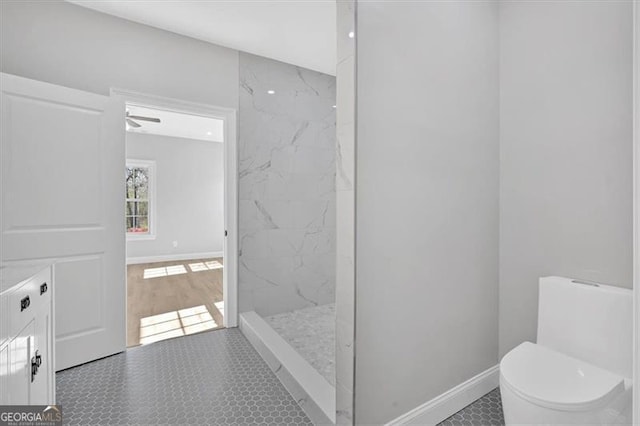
[62, 178]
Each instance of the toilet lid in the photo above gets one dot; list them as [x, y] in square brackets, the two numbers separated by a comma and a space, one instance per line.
[554, 380]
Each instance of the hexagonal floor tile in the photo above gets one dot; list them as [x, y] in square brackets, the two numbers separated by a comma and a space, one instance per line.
[209, 378]
[487, 411]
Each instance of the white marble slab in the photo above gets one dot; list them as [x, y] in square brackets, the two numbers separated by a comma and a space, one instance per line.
[287, 186]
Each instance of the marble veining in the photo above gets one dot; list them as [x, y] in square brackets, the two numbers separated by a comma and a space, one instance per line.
[287, 186]
[311, 332]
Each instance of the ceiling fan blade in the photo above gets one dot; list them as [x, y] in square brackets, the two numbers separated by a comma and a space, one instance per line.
[140, 117]
[132, 123]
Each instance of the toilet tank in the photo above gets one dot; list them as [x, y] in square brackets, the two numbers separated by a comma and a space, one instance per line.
[591, 322]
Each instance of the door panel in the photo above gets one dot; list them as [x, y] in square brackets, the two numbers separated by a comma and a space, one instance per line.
[41, 136]
[62, 162]
[80, 279]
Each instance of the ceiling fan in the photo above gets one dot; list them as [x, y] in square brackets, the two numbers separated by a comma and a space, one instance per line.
[130, 120]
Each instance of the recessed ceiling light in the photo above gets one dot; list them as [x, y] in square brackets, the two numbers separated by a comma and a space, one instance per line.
[209, 133]
[334, 106]
[271, 92]
[352, 34]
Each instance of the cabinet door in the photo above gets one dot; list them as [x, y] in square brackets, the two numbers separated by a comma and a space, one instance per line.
[4, 374]
[19, 382]
[42, 381]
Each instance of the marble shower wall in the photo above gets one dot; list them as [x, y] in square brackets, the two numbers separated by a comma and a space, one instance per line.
[287, 189]
[345, 196]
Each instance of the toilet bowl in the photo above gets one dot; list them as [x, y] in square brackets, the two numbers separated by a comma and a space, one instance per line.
[542, 386]
[579, 370]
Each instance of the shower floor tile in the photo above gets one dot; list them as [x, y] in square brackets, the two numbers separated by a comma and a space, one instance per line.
[312, 333]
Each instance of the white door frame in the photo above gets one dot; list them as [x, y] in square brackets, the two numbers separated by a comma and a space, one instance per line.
[230, 250]
[636, 212]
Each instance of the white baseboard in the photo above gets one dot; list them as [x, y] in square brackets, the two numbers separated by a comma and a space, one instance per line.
[170, 257]
[445, 405]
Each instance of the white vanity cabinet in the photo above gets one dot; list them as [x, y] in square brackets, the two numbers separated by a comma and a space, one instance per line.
[27, 368]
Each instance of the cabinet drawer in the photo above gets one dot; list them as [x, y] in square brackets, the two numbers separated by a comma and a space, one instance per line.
[28, 298]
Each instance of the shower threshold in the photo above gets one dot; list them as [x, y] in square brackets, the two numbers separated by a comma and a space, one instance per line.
[311, 389]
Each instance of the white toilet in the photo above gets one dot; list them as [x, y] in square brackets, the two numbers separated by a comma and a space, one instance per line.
[579, 371]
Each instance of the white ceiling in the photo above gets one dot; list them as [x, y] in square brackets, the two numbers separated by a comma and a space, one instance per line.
[299, 32]
[177, 124]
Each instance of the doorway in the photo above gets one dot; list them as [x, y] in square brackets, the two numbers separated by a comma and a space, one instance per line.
[180, 214]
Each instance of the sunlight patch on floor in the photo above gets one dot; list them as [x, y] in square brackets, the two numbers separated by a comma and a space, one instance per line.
[175, 323]
[205, 266]
[164, 271]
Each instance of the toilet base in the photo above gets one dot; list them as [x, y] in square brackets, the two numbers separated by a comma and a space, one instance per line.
[518, 411]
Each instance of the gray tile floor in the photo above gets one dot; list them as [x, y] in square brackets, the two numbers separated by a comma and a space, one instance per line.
[209, 378]
[487, 411]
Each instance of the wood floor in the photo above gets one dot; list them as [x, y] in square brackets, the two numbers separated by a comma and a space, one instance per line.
[171, 299]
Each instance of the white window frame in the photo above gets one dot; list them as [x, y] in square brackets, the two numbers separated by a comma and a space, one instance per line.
[151, 191]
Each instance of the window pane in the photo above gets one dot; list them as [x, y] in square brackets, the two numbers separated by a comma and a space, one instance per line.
[137, 181]
[129, 224]
[138, 224]
[143, 208]
[137, 208]
[142, 192]
[129, 208]
[129, 181]
[140, 182]
[137, 204]
[143, 224]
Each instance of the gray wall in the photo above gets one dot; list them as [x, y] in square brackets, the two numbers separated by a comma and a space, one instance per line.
[287, 187]
[69, 45]
[427, 201]
[189, 193]
[566, 151]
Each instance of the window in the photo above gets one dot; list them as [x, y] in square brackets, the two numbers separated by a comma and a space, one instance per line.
[139, 177]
